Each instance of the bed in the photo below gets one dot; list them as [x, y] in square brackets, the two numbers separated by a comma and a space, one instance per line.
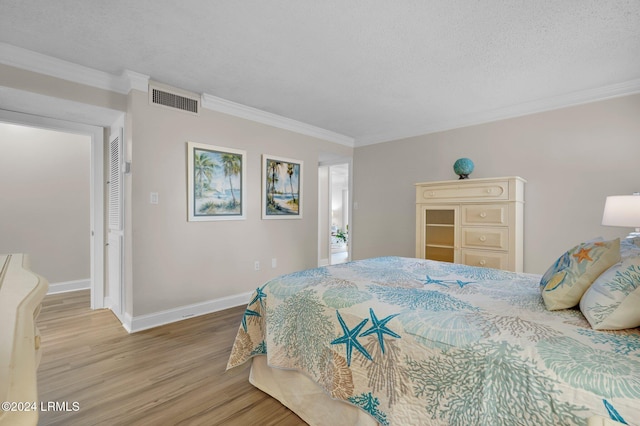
[398, 341]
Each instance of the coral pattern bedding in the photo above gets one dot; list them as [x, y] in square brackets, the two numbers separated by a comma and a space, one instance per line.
[414, 341]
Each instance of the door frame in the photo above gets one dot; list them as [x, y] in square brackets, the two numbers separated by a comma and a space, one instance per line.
[115, 258]
[97, 238]
[325, 204]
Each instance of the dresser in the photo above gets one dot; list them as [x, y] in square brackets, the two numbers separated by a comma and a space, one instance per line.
[476, 222]
[21, 292]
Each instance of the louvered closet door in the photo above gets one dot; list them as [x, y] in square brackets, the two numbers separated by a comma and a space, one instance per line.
[115, 183]
[115, 228]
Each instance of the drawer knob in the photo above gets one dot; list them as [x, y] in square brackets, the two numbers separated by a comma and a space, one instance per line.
[431, 193]
[482, 262]
[483, 238]
[488, 190]
[483, 214]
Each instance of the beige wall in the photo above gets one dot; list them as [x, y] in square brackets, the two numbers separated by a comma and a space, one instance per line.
[572, 159]
[175, 262]
[30, 81]
[45, 200]
[169, 262]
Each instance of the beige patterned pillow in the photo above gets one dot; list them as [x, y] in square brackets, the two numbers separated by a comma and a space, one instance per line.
[565, 282]
[613, 300]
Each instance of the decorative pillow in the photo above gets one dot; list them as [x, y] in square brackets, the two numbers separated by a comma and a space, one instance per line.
[570, 276]
[629, 247]
[613, 300]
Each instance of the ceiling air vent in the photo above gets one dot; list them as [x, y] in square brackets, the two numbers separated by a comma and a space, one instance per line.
[173, 99]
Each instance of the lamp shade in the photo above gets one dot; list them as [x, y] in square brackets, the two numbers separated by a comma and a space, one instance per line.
[622, 210]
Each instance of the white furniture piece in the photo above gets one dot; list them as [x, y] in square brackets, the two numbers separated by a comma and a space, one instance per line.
[21, 292]
[477, 222]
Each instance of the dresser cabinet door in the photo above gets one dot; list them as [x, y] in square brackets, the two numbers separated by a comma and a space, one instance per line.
[438, 233]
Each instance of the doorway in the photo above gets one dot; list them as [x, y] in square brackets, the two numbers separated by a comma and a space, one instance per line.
[339, 208]
[95, 233]
[334, 237]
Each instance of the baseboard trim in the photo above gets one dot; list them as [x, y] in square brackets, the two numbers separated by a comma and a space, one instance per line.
[144, 322]
[67, 286]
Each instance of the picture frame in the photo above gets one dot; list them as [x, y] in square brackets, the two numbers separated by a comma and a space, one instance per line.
[282, 196]
[216, 179]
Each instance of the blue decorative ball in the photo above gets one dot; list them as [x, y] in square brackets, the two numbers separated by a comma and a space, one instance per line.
[463, 167]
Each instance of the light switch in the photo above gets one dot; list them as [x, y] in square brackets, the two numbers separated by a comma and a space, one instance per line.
[153, 198]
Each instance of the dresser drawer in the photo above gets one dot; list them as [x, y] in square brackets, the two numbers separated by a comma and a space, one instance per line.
[485, 214]
[489, 238]
[469, 190]
[486, 259]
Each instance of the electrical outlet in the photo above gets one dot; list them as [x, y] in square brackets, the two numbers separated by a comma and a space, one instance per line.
[274, 262]
[256, 265]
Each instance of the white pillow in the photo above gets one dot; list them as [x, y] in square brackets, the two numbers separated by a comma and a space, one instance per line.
[613, 300]
[629, 247]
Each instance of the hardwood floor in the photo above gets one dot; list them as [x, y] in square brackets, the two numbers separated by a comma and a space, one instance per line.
[169, 375]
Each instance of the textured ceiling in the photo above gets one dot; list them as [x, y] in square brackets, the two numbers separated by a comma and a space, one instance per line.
[372, 70]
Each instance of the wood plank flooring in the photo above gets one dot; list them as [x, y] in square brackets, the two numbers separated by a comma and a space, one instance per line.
[169, 375]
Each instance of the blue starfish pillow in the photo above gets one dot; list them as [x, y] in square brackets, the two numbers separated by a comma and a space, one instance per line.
[570, 276]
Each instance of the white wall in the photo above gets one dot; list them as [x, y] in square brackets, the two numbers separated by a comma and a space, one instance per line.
[44, 195]
[572, 159]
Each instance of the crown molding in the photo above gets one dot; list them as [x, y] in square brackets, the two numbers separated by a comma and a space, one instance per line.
[518, 110]
[54, 67]
[238, 110]
[136, 81]
[129, 80]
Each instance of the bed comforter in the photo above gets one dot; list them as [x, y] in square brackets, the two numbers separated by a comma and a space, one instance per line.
[414, 341]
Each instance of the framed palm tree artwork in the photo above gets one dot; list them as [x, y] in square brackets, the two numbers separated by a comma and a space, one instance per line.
[216, 182]
[281, 188]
